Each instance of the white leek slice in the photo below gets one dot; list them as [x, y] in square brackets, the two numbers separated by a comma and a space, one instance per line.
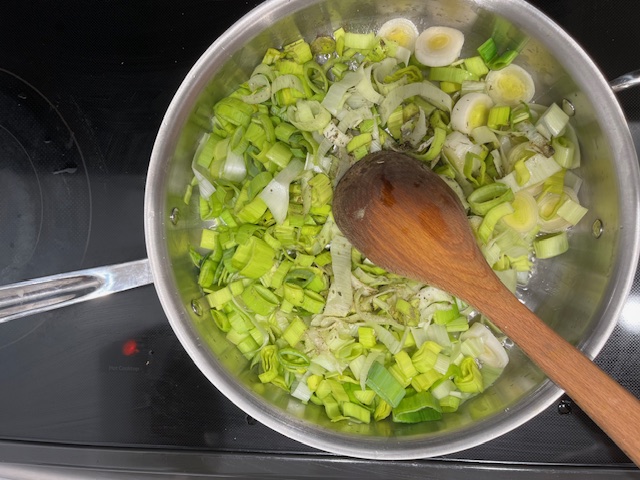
[328, 231]
[318, 163]
[510, 86]
[403, 55]
[234, 168]
[518, 152]
[572, 211]
[498, 161]
[419, 335]
[540, 168]
[570, 133]
[276, 193]
[552, 122]
[264, 69]
[340, 296]
[332, 133]
[432, 299]
[469, 86]
[335, 97]
[429, 295]
[494, 353]
[302, 391]
[356, 365]
[323, 148]
[328, 361]
[491, 252]
[205, 186]
[438, 333]
[376, 145]
[366, 366]
[439, 46]
[455, 149]
[382, 70]
[444, 389]
[523, 278]
[471, 111]
[419, 130]
[401, 31]
[548, 202]
[365, 87]
[387, 338]
[285, 81]
[260, 87]
[426, 90]
[525, 215]
[572, 181]
[352, 118]
[308, 115]
[483, 135]
[354, 100]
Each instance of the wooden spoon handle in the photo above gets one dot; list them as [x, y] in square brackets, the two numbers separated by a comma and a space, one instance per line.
[612, 408]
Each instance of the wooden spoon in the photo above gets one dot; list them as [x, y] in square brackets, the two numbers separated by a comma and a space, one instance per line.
[406, 219]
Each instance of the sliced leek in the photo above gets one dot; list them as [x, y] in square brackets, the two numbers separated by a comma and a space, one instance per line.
[470, 112]
[551, 245]
[510, 86]
[439, 46]
[310, 314]
[401, 31]
[525, 215]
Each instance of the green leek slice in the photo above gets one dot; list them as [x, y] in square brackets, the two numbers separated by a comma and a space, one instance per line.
[551, 245]
[420, 407]
[385, 385]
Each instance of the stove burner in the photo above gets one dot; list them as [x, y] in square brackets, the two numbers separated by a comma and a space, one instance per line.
[22, 210]
[45, 206]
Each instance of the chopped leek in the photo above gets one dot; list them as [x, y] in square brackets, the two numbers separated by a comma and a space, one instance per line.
[310, 313]
[438, 46]
[471, 111]
[551, 245]
[401, 31]
[417, 408]
[385, 385]
[276, 194]
[426, 90]
[564, 151]
[510, 85]
[525, 212]
[571, 211]
[552, 122]
[470, 379]
[491, 351]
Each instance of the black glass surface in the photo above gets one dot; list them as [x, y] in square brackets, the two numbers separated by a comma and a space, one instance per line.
[83, 89]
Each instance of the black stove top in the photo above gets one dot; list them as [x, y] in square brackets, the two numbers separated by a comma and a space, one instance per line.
[105, 386]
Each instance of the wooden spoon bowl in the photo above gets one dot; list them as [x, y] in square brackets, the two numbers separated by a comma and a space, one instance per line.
[405, 218]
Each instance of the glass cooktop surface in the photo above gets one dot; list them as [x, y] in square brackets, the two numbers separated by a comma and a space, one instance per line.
[83, 89]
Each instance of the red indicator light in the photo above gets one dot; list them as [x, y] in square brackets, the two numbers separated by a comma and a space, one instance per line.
[129, 348]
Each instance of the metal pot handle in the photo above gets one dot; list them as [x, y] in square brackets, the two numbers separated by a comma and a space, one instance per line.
[625, 81]
[55, 291]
